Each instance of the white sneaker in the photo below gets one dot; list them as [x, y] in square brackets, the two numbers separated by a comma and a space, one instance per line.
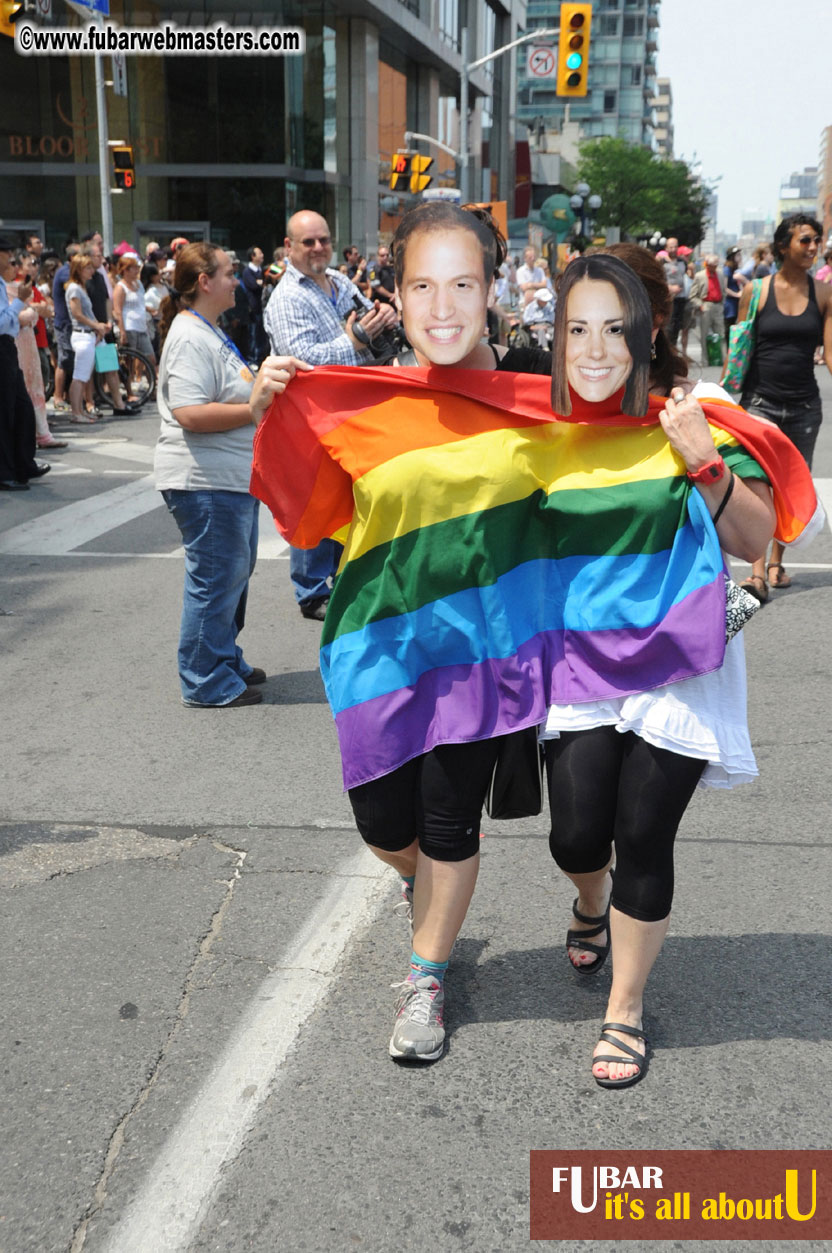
[419, 1033]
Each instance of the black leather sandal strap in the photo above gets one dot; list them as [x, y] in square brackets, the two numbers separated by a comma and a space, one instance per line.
[587, 934]
[638, 1058]
[621, 1026]
[575, 939]
[619, 1044]
[599, 922]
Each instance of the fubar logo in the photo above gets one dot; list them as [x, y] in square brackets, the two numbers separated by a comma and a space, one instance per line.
[682, 1195]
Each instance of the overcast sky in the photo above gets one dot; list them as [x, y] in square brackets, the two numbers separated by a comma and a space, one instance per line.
[747, 111]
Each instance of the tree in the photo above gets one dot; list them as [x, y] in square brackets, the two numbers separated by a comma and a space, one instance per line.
[641, 192]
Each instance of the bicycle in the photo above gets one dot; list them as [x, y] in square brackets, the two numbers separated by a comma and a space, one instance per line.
[133, 368]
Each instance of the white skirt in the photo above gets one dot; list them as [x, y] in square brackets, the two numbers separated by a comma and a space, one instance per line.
[703, 717]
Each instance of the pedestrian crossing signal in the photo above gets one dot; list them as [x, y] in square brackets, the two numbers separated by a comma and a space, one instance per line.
[419, 177]
[9, 10]
[573, 49]
[123, 170]
[399, 169]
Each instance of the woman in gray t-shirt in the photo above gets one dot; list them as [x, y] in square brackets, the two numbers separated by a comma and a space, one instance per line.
[203, 467]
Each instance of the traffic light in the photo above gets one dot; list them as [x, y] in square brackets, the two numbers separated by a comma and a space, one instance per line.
[123, 171]
[573, 50]
[399, 169]
[9, 10]
[419, 177]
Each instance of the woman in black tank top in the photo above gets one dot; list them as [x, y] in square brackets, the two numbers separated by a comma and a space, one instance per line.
[793, 317]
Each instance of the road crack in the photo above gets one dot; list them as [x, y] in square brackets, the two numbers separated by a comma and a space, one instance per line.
[190, 984]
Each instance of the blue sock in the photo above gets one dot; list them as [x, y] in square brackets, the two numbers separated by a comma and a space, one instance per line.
[420, 966]
[409, 880]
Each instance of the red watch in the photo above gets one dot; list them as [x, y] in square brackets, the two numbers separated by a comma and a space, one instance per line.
[711, 473]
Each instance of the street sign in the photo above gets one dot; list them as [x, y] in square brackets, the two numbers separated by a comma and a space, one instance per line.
[541, 63]
[94, 6]
[119, 74]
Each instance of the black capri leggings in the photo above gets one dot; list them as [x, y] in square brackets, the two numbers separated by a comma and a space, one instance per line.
[436, 798]
[609, 788]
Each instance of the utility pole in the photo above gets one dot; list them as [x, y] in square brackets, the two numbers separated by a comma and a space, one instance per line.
[463, 94]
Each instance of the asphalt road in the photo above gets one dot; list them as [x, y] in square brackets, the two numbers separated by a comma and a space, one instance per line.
[197, 955]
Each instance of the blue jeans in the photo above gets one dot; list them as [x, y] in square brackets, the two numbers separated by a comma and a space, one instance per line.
[219, 531]
[312, 568]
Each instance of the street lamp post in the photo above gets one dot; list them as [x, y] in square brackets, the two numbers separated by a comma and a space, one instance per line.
[465, 70]
[582, 200]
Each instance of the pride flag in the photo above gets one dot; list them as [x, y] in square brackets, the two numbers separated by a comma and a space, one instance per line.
[497, 559]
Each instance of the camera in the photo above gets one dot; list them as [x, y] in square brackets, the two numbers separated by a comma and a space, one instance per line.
[385, 346]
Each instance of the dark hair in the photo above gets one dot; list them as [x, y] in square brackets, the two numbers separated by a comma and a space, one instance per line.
[251, 251]
[191, 261]
[47, 269]
[667, 364]
[783, 234]
[442, 215]
[90, 235]
[28, 237]
[346, 252]
[148, 273]
[637, 327]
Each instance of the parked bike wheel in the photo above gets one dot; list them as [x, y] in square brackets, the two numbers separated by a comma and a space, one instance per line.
[519, 337]
[137, 378]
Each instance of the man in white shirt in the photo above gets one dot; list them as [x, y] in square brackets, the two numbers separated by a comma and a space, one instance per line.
[530, 276]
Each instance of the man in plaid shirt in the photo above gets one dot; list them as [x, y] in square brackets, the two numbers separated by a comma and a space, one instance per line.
[312, 316]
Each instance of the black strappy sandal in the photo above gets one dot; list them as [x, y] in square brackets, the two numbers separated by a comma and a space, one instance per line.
[582, 939]
[640, 1059]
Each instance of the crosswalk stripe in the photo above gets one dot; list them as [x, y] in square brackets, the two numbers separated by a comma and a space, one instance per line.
[72, 525]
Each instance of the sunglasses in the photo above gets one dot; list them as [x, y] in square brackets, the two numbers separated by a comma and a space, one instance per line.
[806, 240]
[323, 240]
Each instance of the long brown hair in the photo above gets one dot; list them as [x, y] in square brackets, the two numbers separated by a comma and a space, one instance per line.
[191, 261]
[667, 364]
[637, 328]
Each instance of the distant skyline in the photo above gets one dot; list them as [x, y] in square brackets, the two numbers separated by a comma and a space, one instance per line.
[744, 111]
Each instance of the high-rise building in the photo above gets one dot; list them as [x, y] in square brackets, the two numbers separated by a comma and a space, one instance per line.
[227, 147]
[799, 193]
[663, 107]
[622, 72]
[825, 184]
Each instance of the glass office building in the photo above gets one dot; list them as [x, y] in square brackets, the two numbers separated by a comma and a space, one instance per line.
[231, 146]
[622, 73]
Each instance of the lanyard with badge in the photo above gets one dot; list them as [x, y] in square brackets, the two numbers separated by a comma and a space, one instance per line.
[225, 339]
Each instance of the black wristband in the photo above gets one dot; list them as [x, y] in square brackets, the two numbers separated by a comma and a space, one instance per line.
[724, 500]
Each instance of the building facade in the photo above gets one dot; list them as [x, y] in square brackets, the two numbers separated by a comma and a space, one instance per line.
[663, 106]
[825, 184]
[799, 193]
[622, 73]
[229, 147]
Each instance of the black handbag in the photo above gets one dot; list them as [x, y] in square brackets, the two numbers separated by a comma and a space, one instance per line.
[517, 784]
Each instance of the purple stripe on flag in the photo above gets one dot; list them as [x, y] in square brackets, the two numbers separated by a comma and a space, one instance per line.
[458, 704]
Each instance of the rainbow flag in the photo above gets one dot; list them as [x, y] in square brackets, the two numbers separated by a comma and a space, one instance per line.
[497, 559]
